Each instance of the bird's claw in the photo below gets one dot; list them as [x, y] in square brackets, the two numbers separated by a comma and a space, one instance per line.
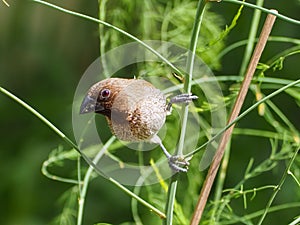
[178, 163]
[182, 98]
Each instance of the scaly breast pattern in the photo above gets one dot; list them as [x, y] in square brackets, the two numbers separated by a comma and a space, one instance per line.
[138, 111]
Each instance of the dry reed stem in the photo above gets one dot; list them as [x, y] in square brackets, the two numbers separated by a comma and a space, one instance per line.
[234, 114]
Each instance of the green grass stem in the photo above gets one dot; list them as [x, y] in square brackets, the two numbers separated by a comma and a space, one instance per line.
[70, 12]
[251, 38]
[73, 145]
[243, 114]
[268, 11]
[87, 177]
[278, 187]
[184, 114]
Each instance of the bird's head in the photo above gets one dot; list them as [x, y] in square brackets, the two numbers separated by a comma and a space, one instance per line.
[100, 96]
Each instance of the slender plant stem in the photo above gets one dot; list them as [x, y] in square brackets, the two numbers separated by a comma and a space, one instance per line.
[268, 11]
[79, 178]
[244, 42]
[251, 38]
[112, 27]
[190, 67]
[87, 179]
[73, 145]
[234, 114]
[39, 116]
[102, 35]
[228, 78]
[249, 48]
[295, 178]
[243, 114]
[83, 188]
[5, 3]
[55, 159]
[295, 222]
[221, 180]
[278, 187]
[256, 214]
[139, 199]
[171, 200]
[184, 114]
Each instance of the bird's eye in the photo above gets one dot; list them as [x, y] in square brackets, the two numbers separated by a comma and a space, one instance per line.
[105, 93]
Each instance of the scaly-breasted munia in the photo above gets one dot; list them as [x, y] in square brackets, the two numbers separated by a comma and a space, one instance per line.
[135, 111]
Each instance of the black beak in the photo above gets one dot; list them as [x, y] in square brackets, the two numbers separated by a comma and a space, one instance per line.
[89, 104]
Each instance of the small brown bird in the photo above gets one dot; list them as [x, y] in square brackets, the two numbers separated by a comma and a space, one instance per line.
[135, 111]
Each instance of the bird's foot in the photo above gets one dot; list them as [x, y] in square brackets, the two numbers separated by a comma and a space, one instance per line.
[182, 98]
[178, 163]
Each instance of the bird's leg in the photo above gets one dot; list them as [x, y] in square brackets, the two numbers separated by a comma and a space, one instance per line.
[182, 98]
[176, 163]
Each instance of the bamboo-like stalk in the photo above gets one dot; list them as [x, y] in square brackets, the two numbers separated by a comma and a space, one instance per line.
[184, 114]
[234, 114]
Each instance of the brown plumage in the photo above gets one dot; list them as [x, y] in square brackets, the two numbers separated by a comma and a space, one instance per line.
[135, 111]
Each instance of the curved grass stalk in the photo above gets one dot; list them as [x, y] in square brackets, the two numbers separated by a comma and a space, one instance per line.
[260, 212]
[244, 42]
[278, 187]
[73, 145]
[268, 11]
[112, 27]
[254, 106]
[87, 177]
[57, 158]
[262, 133]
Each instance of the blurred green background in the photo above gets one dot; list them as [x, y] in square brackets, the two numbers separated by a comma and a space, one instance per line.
[43, 54]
